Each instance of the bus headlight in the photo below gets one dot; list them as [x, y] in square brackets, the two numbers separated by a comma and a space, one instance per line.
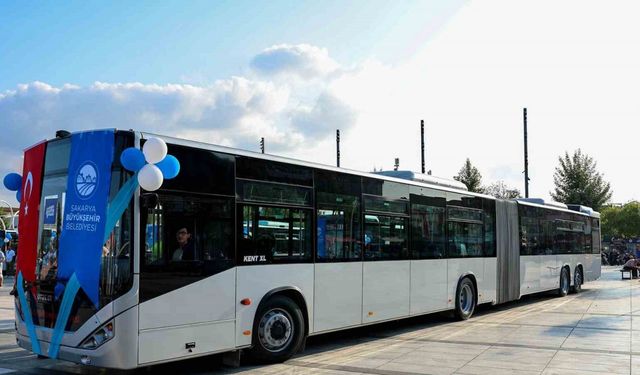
[99, 337]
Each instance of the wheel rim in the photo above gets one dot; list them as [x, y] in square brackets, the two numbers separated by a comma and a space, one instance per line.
[466, 299]
[275, 330]
[565, 282]
[578, 280]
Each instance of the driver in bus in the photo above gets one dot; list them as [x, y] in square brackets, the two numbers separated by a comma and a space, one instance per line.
[185, 250]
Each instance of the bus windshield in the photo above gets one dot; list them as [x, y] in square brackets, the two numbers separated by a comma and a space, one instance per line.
[116, 261]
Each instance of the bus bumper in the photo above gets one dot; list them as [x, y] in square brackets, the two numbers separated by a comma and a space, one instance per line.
[121, 352]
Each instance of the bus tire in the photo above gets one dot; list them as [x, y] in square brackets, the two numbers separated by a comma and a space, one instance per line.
[465, 299]
[578, 279]
[278, 330]
[563, 290]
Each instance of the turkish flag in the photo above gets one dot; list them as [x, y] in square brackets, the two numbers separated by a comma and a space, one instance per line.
[30, 211]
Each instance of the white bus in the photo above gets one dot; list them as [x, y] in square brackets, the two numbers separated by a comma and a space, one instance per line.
[282, 249]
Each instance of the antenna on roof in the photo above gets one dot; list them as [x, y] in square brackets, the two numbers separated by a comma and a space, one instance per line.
[338, 148]
[397, 164]
[262, 145]
[422, 143]
[526, 156]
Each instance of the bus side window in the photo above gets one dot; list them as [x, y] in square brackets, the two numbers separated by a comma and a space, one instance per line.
[273, 234]
[338, 216]
[465, 232]
[152, 247]
[186, 238]
[428, 231]
[338, 227]
[385, 237]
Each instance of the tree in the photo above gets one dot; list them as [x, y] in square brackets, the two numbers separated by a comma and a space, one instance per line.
[470, 176]
[621, 221]
[577, 182]
[501, 190]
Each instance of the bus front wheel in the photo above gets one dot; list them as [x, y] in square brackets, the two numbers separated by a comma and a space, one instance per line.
[278, 330]
[465, 299]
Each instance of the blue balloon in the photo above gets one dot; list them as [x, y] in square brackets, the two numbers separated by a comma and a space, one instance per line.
[13, 181]
[7, 235]
[19, 196]
[132, 159]
[169, 166]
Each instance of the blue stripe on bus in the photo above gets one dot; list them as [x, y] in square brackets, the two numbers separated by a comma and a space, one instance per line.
[28, 320]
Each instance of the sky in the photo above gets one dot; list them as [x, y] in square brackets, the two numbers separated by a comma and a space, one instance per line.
[231, 72]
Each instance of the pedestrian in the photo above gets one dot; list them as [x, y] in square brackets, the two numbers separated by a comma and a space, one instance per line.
[11, 255]
[632, 265]
[2, 265]
[605, 259]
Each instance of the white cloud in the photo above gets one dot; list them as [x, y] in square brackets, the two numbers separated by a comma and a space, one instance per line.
[302, 60]
[327, 115]
[233, 112]
[572, 64]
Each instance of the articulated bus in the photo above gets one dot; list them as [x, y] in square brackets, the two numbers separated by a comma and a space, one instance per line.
[280, 250]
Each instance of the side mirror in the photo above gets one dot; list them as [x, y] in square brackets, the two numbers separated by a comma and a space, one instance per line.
[149, 200]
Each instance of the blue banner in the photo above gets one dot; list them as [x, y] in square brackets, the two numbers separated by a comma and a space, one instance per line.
[50, 210]
[85, 210]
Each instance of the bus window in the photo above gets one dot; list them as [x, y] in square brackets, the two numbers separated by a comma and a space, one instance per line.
[595, 236]
[338, 216]
[385, 237]
[427, 231]
[465, 228]
[338, 227]
[273, 234]
[185, 239]
[218, 179]
[265, 170]
[489, 207]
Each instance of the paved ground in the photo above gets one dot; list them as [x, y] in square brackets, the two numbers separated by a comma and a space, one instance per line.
[595, 332]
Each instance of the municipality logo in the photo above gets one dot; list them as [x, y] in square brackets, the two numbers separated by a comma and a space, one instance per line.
[86, 180]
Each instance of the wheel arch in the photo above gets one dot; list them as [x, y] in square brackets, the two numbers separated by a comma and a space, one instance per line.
[295, 294]
[471, 276]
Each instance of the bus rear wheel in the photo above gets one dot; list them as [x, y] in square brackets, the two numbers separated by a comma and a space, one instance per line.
[577, 280]
[278, 330]
[465, 299]
[564, 282]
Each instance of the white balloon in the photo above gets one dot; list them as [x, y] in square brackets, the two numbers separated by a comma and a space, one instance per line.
[150, 177]
[154, 150]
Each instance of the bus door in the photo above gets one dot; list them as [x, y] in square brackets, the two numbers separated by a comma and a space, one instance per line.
[187, 279]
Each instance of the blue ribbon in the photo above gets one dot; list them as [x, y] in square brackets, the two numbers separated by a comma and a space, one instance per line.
[28, 320]
[70, 291]
[119, 204]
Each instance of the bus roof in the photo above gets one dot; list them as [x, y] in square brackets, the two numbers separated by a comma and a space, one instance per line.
[539, 202]
[230, 150]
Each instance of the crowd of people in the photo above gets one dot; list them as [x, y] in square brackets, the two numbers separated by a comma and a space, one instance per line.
[615, 257]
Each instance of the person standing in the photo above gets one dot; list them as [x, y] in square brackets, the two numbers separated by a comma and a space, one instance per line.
[2, 266]
[11, 255]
